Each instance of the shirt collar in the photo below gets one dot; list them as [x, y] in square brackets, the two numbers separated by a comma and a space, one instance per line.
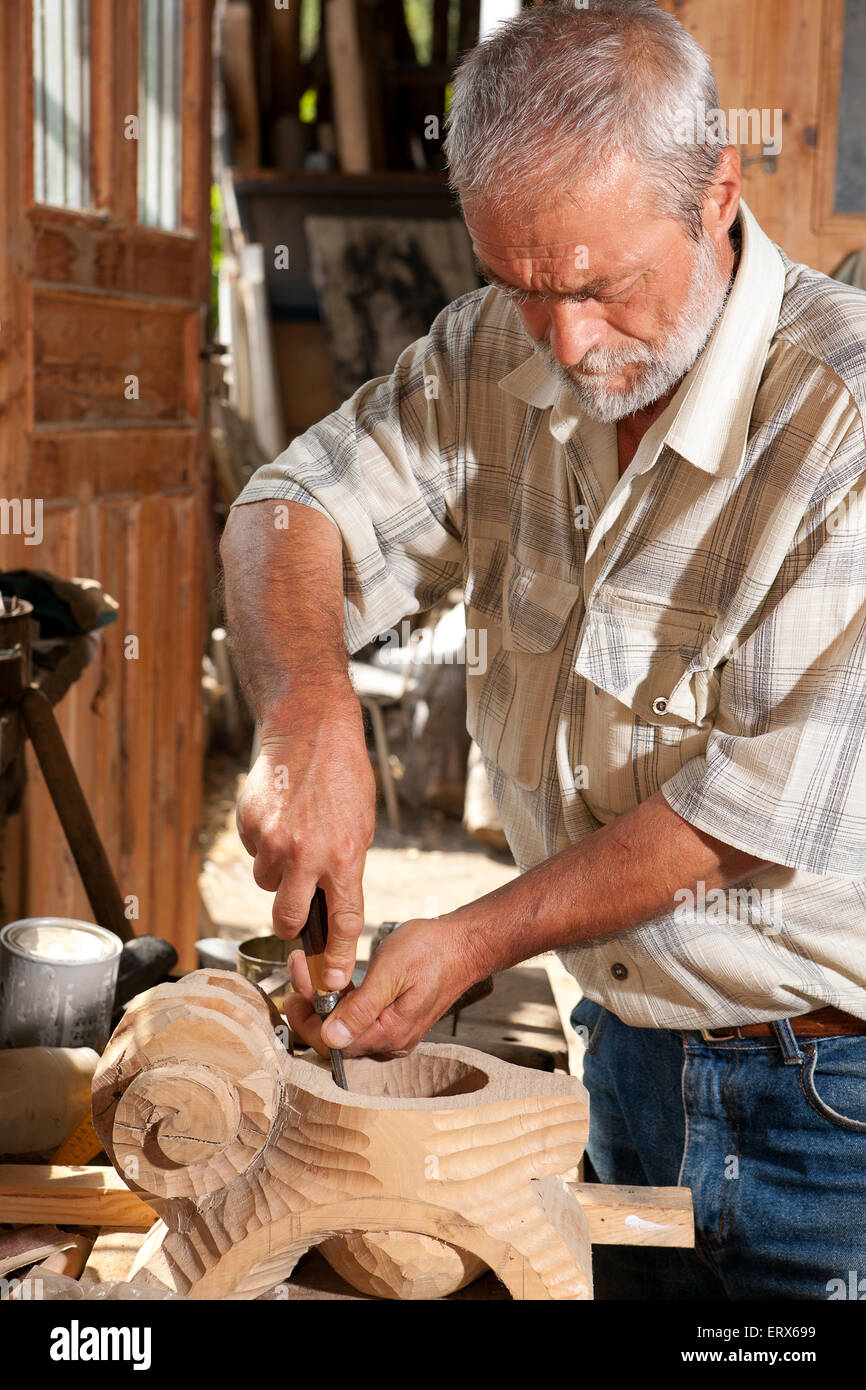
[533, 382]
[715, 399]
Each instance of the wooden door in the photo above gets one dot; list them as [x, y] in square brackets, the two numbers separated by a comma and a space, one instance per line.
[104, 191]
[805, 58]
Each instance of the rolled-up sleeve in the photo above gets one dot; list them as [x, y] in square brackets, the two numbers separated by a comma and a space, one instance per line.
[387, 469]
[783, 774]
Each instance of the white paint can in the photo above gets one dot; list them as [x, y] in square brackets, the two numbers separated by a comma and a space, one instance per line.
[57, 982]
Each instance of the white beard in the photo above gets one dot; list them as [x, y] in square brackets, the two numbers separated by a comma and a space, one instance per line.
[665, 364]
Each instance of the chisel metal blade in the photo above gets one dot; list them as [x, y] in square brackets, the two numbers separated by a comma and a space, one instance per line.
[325, 1005]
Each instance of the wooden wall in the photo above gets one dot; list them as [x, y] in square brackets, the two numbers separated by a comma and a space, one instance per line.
[88, 298]
[786, 54]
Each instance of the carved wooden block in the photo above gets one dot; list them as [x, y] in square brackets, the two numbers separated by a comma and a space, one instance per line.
[251, 1156]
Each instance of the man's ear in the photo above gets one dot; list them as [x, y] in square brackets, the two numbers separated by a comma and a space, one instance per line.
[723, 196]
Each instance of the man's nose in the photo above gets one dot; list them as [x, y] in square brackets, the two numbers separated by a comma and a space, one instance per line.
[574, 329]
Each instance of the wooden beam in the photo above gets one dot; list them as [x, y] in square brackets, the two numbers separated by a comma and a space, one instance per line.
[637, 1215]
[347, 78]
[470, 24]
[88, 1196]
[237, 63]
[113, 1255]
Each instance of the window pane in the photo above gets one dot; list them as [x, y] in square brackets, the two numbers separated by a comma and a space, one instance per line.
[494, 11]
[159, 144]
[61, 102]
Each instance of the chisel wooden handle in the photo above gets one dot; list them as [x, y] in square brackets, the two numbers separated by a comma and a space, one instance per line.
[315, 938]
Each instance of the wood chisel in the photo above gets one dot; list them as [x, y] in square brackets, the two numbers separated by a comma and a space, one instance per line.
[315, 937]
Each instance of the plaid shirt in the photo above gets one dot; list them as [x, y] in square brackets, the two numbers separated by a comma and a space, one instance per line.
[699, 631]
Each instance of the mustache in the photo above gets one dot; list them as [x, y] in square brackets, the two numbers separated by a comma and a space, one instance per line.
[601, 359]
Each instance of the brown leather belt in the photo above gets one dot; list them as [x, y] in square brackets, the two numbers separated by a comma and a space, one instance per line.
[823, 1023]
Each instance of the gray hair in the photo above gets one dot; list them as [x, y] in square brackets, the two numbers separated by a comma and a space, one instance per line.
[553, 95]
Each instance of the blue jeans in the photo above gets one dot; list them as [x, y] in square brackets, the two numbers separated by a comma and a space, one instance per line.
[769, 1134]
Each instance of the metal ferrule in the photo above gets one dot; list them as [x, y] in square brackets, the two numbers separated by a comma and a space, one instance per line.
[325, 1004]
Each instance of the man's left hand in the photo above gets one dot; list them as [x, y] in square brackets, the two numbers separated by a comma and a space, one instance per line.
[412, 980]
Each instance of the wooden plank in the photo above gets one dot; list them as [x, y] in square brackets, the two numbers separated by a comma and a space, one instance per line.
[113, 1255]
[347, 78]
[521, 1012]
[166, 696]
[637, 1215]
[266, 411]
[196, 167]
[190, 620]
[86, 351]
[13, 867]
[69, 1262]
[284, 29]
[439, 46]
[470, 24]
[306, 374]
[16, 177]
[18, 1249]
[115, 97]
[139, 462]
[82, 251]
[109, 709]
[237, 62]
[140, 676]
[86, 1196]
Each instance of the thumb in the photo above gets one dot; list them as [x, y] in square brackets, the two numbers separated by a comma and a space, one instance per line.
[359, 1010]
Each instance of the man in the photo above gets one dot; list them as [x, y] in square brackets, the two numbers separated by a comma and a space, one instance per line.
[642, 454]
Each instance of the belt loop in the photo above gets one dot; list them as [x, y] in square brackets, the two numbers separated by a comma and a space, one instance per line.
[787, 1040]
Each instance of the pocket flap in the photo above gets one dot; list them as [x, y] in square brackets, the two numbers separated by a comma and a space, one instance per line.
[651, 658]
[536, 607]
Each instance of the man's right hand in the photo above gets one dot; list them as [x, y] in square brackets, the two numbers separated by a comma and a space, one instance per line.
[307, 816]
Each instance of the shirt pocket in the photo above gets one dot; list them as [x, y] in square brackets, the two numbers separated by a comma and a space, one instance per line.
[651, 698]
[521, 616]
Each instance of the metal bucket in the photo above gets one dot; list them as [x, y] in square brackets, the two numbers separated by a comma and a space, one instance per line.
[263, 958]
[57, 983]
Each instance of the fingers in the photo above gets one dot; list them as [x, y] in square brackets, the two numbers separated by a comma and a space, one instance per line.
[299, 972]
[307, 817]
[294, 893]
[245, 838]
[345, 899]
[305, 1022]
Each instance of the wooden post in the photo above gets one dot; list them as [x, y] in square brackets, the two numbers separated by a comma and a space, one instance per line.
[348, 84]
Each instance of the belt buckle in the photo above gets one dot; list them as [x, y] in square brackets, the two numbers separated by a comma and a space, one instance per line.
[706, 1034]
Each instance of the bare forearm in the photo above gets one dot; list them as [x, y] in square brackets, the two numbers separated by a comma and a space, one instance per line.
[284, 606]
[625, 873]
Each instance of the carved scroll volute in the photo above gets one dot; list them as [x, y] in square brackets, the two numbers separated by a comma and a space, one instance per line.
[187, 1091]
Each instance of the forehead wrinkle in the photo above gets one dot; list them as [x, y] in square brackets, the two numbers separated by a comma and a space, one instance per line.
[589, 288]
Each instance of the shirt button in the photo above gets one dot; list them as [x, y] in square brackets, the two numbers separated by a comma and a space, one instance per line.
[660, 705]
[618, 971]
